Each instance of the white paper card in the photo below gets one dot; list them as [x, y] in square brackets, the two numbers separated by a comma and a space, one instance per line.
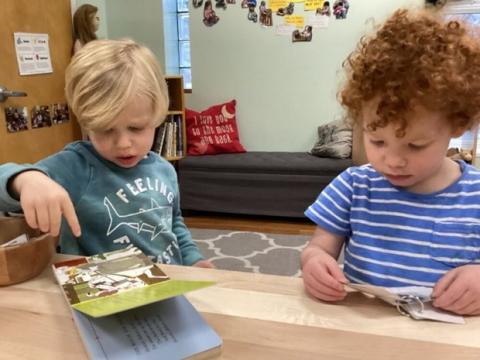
[33, 53]
[285, 29]
[22, 239]
[318, 21]
[414, 301]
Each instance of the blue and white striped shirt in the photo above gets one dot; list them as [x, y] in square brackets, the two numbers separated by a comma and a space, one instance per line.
[398, 238]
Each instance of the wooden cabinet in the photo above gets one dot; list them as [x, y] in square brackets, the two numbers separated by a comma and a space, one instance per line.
[170, 137]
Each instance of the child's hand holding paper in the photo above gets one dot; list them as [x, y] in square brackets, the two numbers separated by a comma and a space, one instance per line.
[459, 291]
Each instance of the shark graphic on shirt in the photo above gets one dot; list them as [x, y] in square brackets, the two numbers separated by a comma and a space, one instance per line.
[137, 220]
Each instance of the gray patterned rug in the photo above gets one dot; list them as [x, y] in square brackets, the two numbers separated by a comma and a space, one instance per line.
[277, 254]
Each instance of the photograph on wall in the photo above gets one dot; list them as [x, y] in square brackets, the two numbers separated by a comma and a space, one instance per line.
[41, 116]
[265, 14]
[16, 118]
[288, 10]
[305, 35]
[60, 113]
[252, 14]
[325, 9]
[340, 9]
[209, 16]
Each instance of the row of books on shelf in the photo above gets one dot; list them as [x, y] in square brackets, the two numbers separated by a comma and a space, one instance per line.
[169, 137]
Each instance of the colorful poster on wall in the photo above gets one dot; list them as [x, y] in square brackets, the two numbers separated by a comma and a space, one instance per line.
[313, 5]
[277, 4]
[297, 20]
[33, 53]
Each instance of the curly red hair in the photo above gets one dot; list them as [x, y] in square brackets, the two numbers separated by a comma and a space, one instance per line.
[415, 58]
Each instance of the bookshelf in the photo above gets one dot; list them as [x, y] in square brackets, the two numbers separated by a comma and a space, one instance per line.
[170, 137]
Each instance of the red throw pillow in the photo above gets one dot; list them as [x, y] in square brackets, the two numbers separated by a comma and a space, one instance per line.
[213, 131]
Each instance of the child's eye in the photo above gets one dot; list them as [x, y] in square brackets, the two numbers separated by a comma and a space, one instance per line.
[377, 143]
[416, 146]
[135, 129]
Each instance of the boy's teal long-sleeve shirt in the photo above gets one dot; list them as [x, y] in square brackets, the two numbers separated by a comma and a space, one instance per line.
[115, 206]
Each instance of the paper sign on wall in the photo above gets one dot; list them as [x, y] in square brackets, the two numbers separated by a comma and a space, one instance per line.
[297, 20]
[33, 53]
[277, 4]
[313, 5]
[319, 21]
[285, 29]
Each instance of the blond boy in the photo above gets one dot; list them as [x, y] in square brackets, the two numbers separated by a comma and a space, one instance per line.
[111, 191]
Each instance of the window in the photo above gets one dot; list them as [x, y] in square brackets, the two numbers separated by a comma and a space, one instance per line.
[467, 11]
[184, 63]
[177, 40]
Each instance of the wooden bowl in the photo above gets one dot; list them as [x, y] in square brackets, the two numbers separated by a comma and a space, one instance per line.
[22, 262]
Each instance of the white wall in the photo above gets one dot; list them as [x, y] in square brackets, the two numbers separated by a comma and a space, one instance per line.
[284, 90]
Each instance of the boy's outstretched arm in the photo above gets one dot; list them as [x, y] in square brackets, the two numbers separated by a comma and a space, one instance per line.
[322, 276]
[459, 290]
[43, 202]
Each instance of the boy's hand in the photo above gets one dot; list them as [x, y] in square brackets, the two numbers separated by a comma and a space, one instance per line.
[459, 291]
[44, 202]
[204, 264]
[322, 276]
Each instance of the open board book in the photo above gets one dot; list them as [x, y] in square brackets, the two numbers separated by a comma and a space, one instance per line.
[126, 307]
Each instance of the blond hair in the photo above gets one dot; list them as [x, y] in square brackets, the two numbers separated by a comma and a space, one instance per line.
[106, 75]
[415, 58]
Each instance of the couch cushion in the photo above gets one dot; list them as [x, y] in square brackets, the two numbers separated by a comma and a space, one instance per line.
[213, 131]
[266, 162]
[334, 140]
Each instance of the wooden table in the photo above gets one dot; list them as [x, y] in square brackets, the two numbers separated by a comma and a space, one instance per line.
[258, 317]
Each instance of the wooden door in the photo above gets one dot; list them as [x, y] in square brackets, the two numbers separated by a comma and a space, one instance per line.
[39, 16]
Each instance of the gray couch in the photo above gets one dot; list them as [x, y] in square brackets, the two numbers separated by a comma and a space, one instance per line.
[255, 183]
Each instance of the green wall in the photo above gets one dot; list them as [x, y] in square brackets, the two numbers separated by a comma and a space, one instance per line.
[141, 20]
[284, 90]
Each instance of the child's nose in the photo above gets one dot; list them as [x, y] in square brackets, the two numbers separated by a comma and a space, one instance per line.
[394, 160]
[123, 140]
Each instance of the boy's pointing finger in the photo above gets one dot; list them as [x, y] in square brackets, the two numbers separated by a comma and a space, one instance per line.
[71, 217]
